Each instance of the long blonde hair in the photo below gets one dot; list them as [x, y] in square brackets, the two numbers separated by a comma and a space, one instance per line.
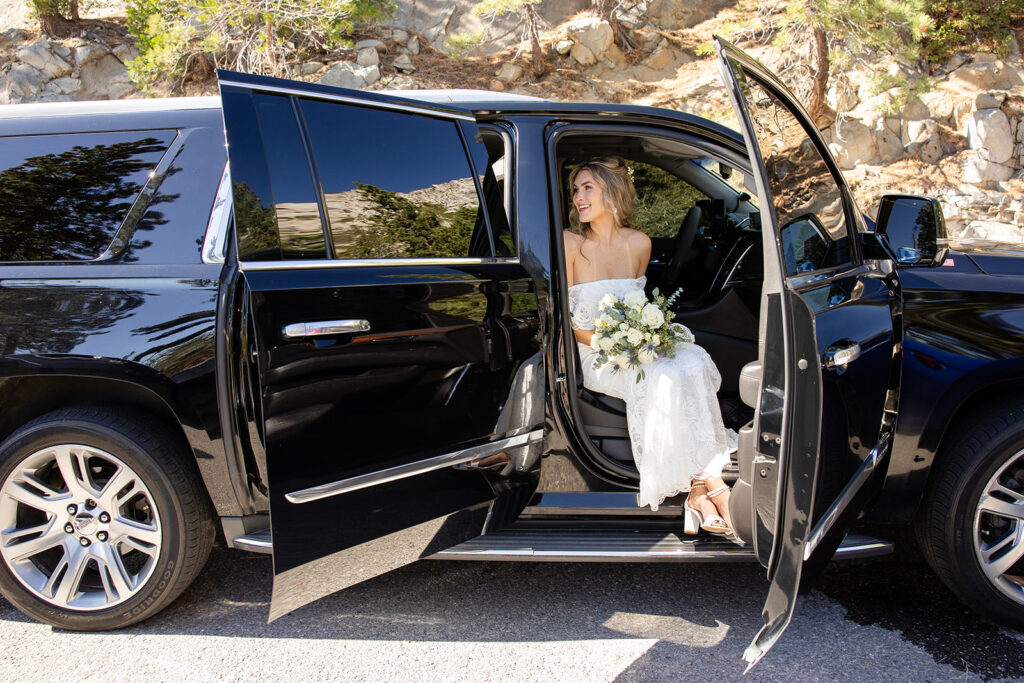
[612, 175]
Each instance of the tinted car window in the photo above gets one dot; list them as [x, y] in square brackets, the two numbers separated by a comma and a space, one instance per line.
[65, 197]
[491, 160]
[804, 191]
[395, 185]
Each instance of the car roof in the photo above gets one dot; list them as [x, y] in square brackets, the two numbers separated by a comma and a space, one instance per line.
[479, 101]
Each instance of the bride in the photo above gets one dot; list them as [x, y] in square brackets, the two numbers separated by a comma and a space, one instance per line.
[679, 442]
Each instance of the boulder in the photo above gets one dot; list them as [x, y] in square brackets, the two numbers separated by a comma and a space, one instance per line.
[583, 54]
[509, 72]
[888, 144]
[662, 57]
[940, 104]
[21, 84]
[988, 131]
[106, 78]
[993, 99]
[563, 47]
[673, 14]
[413, 45]
[593, 33]
[368, 56]
[842, 95]
[404, 64]
[12, 37]
[400, 35]
[125, 53]
[84, 54]
[309, 68]
[915, 110]
[39, 55]
[344, 75]
[986, 72]
[852, 143]
[978, 170]
[65, 85]
[377, 45]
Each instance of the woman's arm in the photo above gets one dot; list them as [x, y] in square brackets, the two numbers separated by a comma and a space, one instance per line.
[584, 336]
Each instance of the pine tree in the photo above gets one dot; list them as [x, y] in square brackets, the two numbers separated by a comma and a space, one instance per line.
[528, 14]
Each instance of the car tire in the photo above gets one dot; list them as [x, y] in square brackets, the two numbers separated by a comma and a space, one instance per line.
[103, 520]
[971, 526]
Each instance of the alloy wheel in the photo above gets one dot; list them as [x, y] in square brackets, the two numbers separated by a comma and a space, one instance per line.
[78, 527]
[999, 528]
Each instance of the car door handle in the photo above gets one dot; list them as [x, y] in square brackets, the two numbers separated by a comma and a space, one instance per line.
[838, 356]
[324, 327]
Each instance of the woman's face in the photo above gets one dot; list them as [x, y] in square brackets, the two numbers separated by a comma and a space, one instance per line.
[588, 197]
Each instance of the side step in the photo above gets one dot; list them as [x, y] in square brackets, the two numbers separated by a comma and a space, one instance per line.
[533, 545]
[255, 542]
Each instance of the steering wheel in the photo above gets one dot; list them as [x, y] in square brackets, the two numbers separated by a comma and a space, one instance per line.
[683, 251]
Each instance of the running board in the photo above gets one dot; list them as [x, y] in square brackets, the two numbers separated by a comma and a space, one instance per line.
[532, 545]
[255, 542]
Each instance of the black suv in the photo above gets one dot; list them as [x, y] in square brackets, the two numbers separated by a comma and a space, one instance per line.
[346, 340]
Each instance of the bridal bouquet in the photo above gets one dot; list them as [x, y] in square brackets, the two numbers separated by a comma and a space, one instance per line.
[631, 331]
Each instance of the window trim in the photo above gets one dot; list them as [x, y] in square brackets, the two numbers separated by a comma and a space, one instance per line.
[321, 264]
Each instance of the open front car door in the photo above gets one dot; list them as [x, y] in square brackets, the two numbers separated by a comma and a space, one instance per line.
[829, 349]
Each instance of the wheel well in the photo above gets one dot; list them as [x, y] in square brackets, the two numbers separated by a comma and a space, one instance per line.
[23, 399]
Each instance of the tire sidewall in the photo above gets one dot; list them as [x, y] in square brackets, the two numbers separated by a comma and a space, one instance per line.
[150, 597]
[975, 585]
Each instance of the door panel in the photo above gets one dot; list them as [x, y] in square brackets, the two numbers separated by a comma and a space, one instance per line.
[387, 338]
[830, 344]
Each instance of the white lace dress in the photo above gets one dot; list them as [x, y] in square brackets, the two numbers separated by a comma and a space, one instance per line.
[675, 424]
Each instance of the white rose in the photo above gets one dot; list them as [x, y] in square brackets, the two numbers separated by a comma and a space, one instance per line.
[620, 361]
[607, 301]
[618, 334]
[656, 339]
[652, 316]
[606, 343]
[646, 355]
[606, 321]
[595, 341]
[634, 336]
[635, 298]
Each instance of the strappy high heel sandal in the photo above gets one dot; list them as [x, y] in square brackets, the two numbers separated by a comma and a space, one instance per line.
[722, 506]
[696, 519]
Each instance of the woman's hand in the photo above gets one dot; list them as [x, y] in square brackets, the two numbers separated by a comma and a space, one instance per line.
[584, 336]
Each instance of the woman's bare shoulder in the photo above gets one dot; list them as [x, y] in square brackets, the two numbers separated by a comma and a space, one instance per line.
[640, 239]
[571, 239]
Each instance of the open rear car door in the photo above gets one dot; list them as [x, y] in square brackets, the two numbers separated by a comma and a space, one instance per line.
[829, 349]
[381, 331]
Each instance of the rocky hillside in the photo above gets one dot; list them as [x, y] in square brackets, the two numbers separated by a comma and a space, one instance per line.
[957, 134]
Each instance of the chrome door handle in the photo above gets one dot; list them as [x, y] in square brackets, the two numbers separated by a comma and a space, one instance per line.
[324, 327]
[838, 356]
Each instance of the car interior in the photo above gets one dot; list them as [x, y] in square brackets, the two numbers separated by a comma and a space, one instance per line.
[706, 243]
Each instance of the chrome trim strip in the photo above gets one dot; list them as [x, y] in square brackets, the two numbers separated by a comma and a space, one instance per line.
[528, 554]
[444, 113]
[215, 247]
[324, 327]
[366, 263]
[143, 200]
[412, 469]
[860, 477]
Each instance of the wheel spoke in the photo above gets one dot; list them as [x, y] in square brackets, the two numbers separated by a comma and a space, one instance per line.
[27, 496]
[16, 552]
[139, 535]
[122, 478]
[116, 582]
[68, 587]
[996, 506]
[1016, 496]
[74, 468]
[1012, 549]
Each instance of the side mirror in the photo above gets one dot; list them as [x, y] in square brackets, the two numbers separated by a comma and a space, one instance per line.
[913, 228]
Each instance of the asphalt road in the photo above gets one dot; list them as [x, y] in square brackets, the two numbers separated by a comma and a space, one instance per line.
[886, 619]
